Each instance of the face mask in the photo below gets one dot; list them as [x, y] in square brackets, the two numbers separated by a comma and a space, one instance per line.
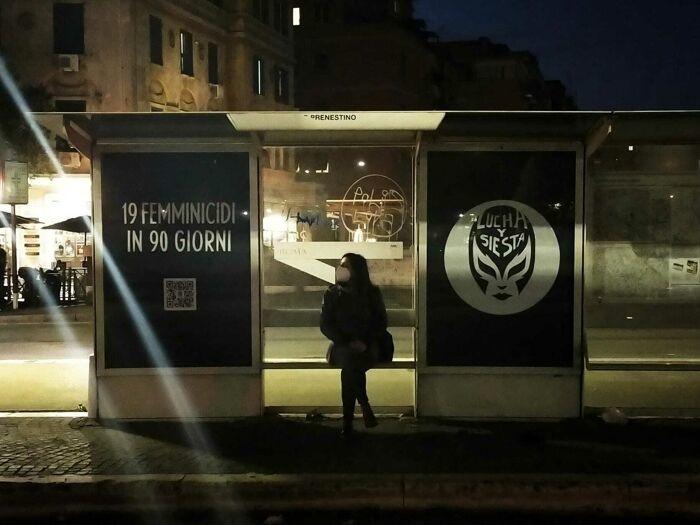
[342, 274]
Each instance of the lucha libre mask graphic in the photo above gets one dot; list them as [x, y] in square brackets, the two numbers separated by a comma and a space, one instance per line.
[502, 251]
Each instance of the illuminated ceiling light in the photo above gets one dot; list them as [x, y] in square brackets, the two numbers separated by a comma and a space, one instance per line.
[245, 213]
[630, 148]
[629, 317]
[670, 196]
[361, 163]
[461, 215]
[307, 171]
[296, 16]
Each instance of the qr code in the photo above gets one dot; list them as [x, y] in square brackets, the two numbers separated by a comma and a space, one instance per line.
[179, 294]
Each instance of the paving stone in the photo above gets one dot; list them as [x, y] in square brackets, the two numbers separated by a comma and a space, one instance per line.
[276, 445]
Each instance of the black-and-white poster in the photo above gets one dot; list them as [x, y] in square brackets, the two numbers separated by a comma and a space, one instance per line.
[176, 260]
[501, 258]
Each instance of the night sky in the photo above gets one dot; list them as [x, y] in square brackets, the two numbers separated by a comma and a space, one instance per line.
[611, 54]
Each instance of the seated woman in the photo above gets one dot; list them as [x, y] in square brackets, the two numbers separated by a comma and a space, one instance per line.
[354, 318]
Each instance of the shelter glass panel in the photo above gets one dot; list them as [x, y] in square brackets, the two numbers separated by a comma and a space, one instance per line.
[642, 274]
[318, 204]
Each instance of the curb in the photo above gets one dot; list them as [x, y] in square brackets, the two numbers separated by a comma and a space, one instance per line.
[76, 315]
[640, 495]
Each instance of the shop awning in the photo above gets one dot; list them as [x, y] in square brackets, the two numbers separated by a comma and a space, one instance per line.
[80, 224]
[6, 220]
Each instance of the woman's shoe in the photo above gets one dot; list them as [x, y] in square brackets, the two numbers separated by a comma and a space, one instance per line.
[368, 416]
[347, 429]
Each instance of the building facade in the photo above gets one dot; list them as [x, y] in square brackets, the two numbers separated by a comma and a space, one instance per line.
[375, 55]
[152, 55]
[481, 74]
[367, 54]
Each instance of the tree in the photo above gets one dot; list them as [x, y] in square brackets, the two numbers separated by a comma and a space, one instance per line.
[15, 130]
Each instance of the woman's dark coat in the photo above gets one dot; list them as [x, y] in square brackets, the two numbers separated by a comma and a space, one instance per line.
[347, 316]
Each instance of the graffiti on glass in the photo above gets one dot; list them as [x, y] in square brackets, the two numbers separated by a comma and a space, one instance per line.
[502, 251]
[376, 204]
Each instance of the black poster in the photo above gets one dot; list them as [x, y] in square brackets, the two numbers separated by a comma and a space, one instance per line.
[176, 232]
[501, 258]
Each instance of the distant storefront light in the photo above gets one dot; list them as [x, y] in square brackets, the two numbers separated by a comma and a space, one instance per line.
[275, 229]
[358, 235]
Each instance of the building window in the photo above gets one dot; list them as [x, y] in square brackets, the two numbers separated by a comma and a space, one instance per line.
[186, 55]
[258, 76]
[282, 86]
[156, 32]
[296, 16]
[261, 10]
[68, 29]
[69, 105]
[213, 50]
[281, 14]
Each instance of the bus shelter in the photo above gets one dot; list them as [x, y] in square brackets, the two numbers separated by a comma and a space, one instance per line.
[533, 264]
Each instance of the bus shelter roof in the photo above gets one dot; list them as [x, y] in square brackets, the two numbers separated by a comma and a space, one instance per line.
[300, 128]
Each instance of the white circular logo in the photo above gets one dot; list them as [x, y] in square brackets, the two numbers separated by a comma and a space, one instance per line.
[502, 257]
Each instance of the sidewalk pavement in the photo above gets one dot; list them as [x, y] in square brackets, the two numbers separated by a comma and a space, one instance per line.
[645, 467]
[47, 314]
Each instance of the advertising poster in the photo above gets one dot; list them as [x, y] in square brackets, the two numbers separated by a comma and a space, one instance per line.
[501, 259]
[176, 262]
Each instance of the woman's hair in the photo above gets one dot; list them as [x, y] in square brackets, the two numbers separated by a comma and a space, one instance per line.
[359, 271]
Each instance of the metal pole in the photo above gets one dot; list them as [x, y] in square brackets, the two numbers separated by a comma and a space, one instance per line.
[15, 282]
